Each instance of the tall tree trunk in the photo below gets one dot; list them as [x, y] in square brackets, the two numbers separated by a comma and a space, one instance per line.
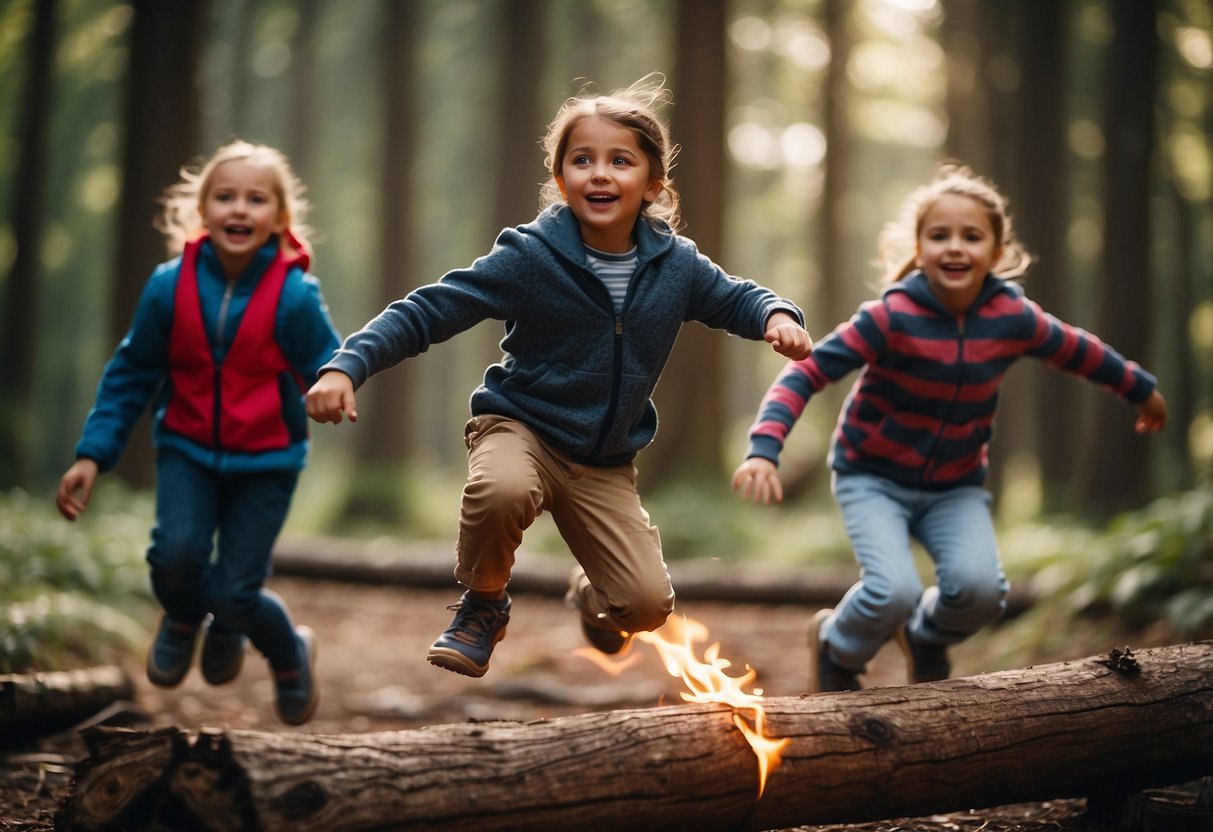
[18, 336]
[1120, 477]
[1040, 213]
[836, 299]
[690, 397]
[303, 86]
[970, 125]
[387, 436]
[162, 119]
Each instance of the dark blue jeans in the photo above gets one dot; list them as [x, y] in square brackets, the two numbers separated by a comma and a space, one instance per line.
[191, 576]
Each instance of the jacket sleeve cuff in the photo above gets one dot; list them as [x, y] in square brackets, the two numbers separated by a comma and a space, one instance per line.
[766, 447]
[1143, 386]
[350, 364]
[784, 306]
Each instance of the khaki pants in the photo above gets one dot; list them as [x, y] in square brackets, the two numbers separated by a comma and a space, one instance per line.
[514, 476]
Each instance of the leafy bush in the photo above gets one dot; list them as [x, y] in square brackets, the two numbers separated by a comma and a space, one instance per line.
[72, 593]
[1153, 565]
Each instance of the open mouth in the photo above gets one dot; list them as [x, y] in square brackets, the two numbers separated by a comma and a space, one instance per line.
[237, 231]
[601, 199]
[955, 267]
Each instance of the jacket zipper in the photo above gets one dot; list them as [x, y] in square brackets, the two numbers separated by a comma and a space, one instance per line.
[220, 348]
[616, 379]
[960, 380]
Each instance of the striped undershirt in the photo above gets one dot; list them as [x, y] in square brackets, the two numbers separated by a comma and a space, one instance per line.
[614, 270]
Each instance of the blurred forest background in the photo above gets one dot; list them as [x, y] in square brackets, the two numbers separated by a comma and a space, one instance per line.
[415, 125]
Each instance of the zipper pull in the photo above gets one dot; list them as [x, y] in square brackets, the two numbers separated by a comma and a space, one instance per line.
[618, 325]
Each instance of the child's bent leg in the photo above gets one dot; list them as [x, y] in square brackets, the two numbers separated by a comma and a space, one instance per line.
[187, 515]
[877, 519]
[253, 511]
[509, 476]
[179, 560]
[958, 533]
[625, 585]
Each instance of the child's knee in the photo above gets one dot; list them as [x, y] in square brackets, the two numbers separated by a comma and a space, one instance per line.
[504, 494]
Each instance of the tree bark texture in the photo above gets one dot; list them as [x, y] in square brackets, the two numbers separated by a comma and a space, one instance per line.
[1068, 729]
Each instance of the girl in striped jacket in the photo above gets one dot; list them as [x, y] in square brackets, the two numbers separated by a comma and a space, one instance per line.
[909, 454]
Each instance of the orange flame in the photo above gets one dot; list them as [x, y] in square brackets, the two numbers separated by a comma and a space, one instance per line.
[707, 682]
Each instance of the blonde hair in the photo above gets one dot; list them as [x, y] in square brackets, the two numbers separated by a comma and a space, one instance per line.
[180, 218]
[897, 243]
[634, 108]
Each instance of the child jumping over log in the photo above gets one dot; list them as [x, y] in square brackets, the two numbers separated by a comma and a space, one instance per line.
[226, 338]
[909, 454]
[593, 293]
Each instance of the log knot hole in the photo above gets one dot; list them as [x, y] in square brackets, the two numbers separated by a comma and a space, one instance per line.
[877, 731]
[1121, 661]
[304, 800]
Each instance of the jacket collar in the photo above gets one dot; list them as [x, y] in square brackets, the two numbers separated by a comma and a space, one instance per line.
[557, 226]
[208, 259]
[915, 285]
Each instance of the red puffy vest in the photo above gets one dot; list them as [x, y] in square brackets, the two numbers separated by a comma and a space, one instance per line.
[234, 405]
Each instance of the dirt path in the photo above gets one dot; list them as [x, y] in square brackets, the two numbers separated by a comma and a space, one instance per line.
[374, 676]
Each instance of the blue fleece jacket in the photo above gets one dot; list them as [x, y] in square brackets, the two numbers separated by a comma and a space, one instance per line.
[573, 370]
[137, 373]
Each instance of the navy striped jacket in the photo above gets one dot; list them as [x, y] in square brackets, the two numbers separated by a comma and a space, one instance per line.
[921, 412]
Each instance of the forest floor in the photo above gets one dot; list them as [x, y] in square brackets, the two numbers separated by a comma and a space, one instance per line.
[373, 676]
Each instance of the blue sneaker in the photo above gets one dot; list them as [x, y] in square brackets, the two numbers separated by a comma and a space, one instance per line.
[466, 645]
[168, 659]
[222, 654]
[924, 662]
[295, 692]
[824, 675]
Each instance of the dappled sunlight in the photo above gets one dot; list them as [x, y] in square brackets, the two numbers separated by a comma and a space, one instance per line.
[1195, 46]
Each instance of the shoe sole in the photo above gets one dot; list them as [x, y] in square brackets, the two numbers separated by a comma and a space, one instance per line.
[815, 623]
[616, 644]
[309, 643]
[162, 681]
[448, 658]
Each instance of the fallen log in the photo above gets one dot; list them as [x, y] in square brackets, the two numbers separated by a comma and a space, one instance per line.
[35, 704]
[1069, 729]
[428, 565]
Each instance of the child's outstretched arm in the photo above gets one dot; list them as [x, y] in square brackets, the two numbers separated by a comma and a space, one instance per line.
[331, 396]
[1152, 414]
[788, 337]
[758, 479]
[79, 478]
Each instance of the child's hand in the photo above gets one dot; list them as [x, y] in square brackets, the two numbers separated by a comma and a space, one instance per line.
[80, 477]
[1152, 414]
[758, 480]
[331, 396]
[788, 337]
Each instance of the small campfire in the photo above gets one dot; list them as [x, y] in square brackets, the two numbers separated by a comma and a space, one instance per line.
[706, 682]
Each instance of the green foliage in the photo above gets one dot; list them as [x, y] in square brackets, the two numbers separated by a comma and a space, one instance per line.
[72, 593]
[1153, 566]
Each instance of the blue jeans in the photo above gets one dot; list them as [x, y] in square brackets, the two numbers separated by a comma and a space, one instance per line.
[957, 531]
[245, 512]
